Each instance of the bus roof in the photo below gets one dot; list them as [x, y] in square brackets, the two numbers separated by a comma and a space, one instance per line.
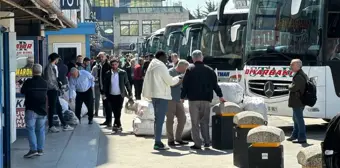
[230, 8]
[194, 21]
[175, 24]
[159, 31]
[212, 13]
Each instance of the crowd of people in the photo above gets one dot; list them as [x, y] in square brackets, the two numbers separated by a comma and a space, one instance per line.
[164, 81]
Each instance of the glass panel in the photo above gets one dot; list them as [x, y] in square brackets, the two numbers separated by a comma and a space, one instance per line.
[134, 22]
[156, 22]
[146, 21]
[148, 10]
[124, 30]
[146, 29]
[155, 27]
[134, 30]
[124, 22]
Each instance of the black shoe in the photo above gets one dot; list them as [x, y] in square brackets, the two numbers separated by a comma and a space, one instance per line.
[171, 143]
[117, 129]
[299, 141]
[291, 139]
[207, 145]
[109, 126]
[160, 146]
[40, 152]
[194, 147]
[182, 142]
[90, 122]
[104, 123]
[96, 115]
[31, 154]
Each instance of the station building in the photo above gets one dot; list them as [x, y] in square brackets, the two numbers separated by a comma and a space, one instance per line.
[129, 21]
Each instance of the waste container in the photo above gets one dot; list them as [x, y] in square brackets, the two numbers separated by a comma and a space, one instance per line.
[222, 125]
[243, 123]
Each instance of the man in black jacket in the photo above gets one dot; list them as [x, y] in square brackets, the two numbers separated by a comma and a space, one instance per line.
[103, 67]
[35, 91]
[296, 90]
[199, 83]
[116, 88]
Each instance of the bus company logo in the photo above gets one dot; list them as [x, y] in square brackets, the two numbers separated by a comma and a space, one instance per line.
[23, 46]
[269, 72]
[223, 74]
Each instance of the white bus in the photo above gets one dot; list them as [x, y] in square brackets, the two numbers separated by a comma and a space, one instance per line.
[281, 30]
[218, 49]
[172, 27]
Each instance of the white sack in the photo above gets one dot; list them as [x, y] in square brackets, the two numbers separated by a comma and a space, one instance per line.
[64, 104]
[66, 95]
[145, 127]
[232, 92]
[72, 106]
[145, 110]
[256, 104]
[70, 118]
[186, 106]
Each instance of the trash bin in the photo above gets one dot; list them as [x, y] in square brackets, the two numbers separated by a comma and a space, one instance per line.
[265, 149]
[222, 125]
[243, 123]
[310, 157]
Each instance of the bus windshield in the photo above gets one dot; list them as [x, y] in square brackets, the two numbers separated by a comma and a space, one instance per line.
[167, 32]
[216, 42]
[281, 30]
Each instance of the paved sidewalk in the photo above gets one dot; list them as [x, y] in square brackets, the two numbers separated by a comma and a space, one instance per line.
[90, 146]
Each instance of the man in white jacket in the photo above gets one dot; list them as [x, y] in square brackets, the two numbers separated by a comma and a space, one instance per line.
[157, 83]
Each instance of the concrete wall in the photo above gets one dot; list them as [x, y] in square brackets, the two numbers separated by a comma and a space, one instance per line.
[165, 18]
[67, 39]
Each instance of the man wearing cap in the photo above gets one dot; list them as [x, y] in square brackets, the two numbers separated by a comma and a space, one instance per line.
[50, 75]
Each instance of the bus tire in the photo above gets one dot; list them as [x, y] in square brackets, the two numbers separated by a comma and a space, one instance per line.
[327, 120]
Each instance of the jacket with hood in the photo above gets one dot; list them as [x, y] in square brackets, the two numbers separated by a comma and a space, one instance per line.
[157, 81]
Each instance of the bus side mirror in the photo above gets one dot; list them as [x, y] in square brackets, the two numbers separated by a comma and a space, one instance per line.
[233, 32]
[295, 7]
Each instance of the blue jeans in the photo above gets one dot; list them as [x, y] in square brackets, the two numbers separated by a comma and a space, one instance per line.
[160, 107]
[35, 125]
[299, 129]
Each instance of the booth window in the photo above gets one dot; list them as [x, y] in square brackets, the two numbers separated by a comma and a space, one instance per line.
[129, 28]
[107, 27]
[103, 3]
[150, 26]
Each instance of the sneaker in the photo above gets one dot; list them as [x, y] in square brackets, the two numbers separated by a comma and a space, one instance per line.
[67, 128]
[171, 143]
[53, 130]
[40, 152]
[117, 129]
[194, 147]
[160, 146]
[31, 154]
[291, 139]
[182, 142]
[90, 122]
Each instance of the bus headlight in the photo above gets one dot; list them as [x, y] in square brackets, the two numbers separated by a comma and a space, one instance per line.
[235, 78]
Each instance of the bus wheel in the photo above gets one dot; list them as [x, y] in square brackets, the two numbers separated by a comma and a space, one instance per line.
[327, 120]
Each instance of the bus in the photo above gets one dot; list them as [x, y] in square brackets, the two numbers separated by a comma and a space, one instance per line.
[281, 30]
[153, 42]
[168, 44]
[219, 51]
[191, 36]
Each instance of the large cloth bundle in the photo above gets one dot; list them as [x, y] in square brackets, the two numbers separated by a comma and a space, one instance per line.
[232, 92]
[70, 118]
[256, 104]
[131, 107]
[64, 104]
[145, 127]
[72, 104]
[145, 110]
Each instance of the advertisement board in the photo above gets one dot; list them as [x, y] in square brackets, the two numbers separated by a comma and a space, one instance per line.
[20, 113]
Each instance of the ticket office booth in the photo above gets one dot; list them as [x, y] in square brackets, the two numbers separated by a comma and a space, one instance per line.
[29, 50]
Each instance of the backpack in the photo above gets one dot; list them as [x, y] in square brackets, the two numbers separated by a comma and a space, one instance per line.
[309, 97]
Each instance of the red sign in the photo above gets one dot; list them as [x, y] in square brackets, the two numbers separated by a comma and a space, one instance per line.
[269, 72]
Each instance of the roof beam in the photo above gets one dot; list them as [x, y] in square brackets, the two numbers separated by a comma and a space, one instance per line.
[30, 12]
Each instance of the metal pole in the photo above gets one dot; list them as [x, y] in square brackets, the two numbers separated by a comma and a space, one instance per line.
[6, 108]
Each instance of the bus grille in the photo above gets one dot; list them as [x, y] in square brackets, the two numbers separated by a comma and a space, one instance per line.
[280, 88]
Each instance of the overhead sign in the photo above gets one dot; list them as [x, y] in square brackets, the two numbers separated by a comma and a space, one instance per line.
[69, 4]
[25, 48]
